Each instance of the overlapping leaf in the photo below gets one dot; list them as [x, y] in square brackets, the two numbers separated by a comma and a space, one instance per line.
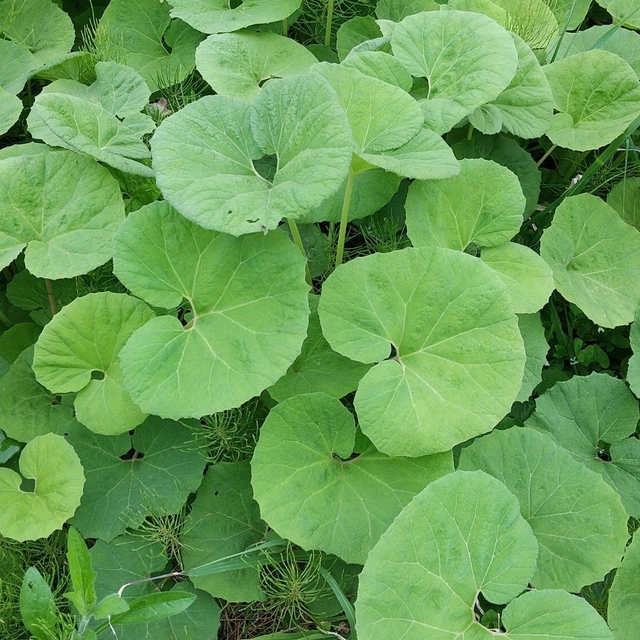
[624, 595]
[249, 302]
[382, 66]
[593, 418]
[625, 11]
[625, 199]
[313, 492]
[448, 320]
[536, 347]
[633, 372]
[205, 155]
[63, 208]
[595, 258]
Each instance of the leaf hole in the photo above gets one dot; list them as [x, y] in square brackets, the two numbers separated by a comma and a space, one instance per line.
[56, 400]
[97, 375]
[354, 456]
[132, 455]
[28, 485]
[602, 451]
[266, 167]
[215, 493]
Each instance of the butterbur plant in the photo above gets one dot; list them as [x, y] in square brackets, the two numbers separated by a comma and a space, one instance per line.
[277, 307]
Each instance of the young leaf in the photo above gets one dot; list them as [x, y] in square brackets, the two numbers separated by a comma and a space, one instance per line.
[316, 495]
[624, 596]
[63, 208]
[449, 320]
[37, 605]
[154, 606]
[83, 341]
[250, 310]
[83, 576]
[59, 479]
[595, 258]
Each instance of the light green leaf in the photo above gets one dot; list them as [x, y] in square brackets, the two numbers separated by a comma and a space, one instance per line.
[10, 110]
[140, 35]
[536, 348]
[154, 606]
[103, 120]
[528, 278]
[237, 64]
[59, 478]
[624, 595]
[525, 107]
[205, 155]
[109, 606]
[124, 486]
[625, 11]
[78, 351]
[63, 208]
[40, 26]
[467, 58]
[633, 373]
[14, 75]
[595, 258]
[382, 66]
[578, 520]
[217, 16]
[448, 319]
[531, 20]
[314, 493]
[461, 536]
[37, 604]
[397, 10]
[354, 32]
[507, 152]
[317, 368]
[482, 204]
[597, 95]
[224, 520]
[569, 13]
[593, 418]
[250, 311]
[625, 199]
[83, 576]
[487, 7]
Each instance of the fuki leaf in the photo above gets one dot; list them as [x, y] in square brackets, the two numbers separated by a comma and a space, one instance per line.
[382, 66]
[625, 11]
[624, 595]
[397, 10]
[10, 110]
[625, 199]
[37, 604]
[536, 347]
[633, 372]
[354, 32]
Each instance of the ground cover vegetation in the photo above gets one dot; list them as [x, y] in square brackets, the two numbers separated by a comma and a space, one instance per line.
[319, 319]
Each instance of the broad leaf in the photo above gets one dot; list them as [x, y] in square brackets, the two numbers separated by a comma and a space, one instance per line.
[597, 95]
[625, 11]
[578, 520]
[63, 208]
[205, 155]
[354, 32]
[130, 477]
[624, 595]
[483, 205]
[102, 121]
[237, 64]
[397, 10]
[217, 16]
[531, 20]
[83, 577]
[10, 110]
[59, 478]
[536, 348]
[249, 303]
[448, 319]
[317, 494]
[625, 199]
[569, 13]
[594, 418]
[16, 339]
[78, 351]
[14, 75]
[595, 258]
[467, 59]
[224, 520]
[37, 604]
[382, 66]
[154, 606]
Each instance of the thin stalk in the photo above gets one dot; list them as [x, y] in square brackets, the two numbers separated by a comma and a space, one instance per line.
[51, 295]
[4, 319]
[470, 131]
[332, 232]
[327, 34]
[285, 27]
[549, 151]
[295, 234]
[344, 218]
[29, 93]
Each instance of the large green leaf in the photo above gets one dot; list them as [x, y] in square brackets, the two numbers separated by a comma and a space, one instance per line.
[536, 347]
[10, 110]
[578, 520]
[483, 204]
[311, 489]
[467, 58]
[569, 13]
[625, 11]
[140, 35]
[595, 258]
[224, 520]
[354, 32]
[237, 64]
[597, 95]
[440, 325]
[217, 16]
[625, 199]
[593, 418]
[397, 10]
[38, 608]
[250, 310]
[205, 155]
[382, 66]
[78, 351]
[624, 595]
[65, 209]
[102, 120]
[59, 478]
[130, 477]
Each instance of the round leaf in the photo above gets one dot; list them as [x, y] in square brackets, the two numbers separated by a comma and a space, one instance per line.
[595, 258]
[205, 155]
[578, 520]
[482, 204]
[396, 10]
[354, 32]
[382, 66]
[250, 310]
[454, 336]
[313, 492]
[59, 479]
[64, 208]
[624, 595]
[236, 64]
[82, 340]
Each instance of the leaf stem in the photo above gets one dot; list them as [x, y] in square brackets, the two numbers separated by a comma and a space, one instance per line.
[327, 34]
[295, 234]
[51, 295]
[344, 218]
[549, 151]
